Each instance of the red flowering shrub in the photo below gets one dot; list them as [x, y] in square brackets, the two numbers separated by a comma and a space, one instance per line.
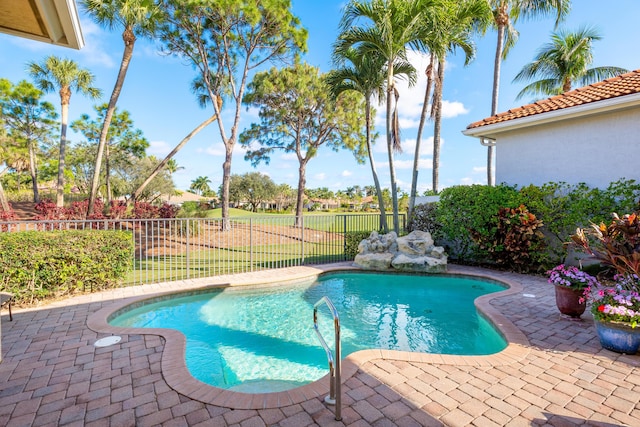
[168, 211]
[118, 209]
[144, 210]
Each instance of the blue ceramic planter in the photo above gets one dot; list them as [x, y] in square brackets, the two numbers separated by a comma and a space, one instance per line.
[618, 337]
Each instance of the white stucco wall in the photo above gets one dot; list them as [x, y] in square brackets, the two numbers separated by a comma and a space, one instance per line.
[596, 150]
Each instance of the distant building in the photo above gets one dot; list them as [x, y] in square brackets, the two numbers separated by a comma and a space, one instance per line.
[590, 135]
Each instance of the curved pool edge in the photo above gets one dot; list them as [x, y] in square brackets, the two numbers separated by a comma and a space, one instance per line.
[175, 372]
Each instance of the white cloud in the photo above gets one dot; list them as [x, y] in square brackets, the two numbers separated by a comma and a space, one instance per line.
[94, 52]
[423, 163]
[289, 156]
[159, 148]
[346, 173]
[217, 149]
[479, 169]
[213, 150]
[320, 176]
[470, 181]
[452, 109]
[426, 147]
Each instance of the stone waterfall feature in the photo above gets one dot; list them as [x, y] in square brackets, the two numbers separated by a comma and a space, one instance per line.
[413, 252]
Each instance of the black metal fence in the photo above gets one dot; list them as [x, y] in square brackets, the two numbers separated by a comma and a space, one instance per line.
[178, 249]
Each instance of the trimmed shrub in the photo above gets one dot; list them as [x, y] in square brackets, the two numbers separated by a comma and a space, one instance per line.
[425, 218]
[465, 208]
[517, 241]
[468, 215]
[352, 240]
[37, 265]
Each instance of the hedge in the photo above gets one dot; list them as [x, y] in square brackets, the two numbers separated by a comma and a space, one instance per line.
[38, 265]
[467, 215]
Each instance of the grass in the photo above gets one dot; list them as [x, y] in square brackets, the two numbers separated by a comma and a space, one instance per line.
[321, 221]
[214, 262]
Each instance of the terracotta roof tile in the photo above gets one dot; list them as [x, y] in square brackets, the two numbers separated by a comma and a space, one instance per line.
[624, 84]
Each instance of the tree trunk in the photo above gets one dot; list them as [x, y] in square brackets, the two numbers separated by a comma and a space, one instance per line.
[33, 169]
[302, 182]
[136, 194]
[374, 172]
[61, 156]
[107, 175]
[416, 156]
[437, 92]
[392, 172]
[129, 40]
[4, 203]
[497, 63]
[226, 181]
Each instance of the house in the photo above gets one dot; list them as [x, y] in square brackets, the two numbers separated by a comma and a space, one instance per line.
[590, 135]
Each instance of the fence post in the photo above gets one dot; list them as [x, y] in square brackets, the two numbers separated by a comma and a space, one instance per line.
[250, 244]
[302, 240]
[187, 251]
[344, 234]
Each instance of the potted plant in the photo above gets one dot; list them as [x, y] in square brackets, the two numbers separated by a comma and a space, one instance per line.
[615, 305]
[570, 283]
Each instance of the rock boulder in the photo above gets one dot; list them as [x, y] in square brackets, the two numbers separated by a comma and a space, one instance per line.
[413, 252]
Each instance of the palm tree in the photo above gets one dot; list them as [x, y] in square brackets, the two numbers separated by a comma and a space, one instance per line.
[564, 62]
[173, 167]
[389, 27]
[66, 76]
[452, 28]
[447, 25]
[506, 13]
[136, 17]
[200, 185]
[366, 74]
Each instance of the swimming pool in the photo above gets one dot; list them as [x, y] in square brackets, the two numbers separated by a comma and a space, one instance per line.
[262, 340]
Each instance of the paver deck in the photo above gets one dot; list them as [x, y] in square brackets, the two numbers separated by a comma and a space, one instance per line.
[554, 372]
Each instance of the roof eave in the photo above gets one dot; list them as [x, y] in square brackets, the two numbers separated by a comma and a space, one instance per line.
[493, 130]
[62, 23]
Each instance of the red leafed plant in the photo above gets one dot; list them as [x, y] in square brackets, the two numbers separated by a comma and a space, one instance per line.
[616, 245]
[513, 240]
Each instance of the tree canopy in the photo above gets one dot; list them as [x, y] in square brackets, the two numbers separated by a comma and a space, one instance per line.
[298, 115]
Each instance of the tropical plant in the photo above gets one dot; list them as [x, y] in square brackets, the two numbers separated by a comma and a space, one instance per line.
[385, 28]
[449, 27]
[200, 185]
[616, 245]
[514, 242]
[224, 41]
[506, 13]
[66, 76]
[136, 18]
[563, 63]
[366, 73]
[299, 116]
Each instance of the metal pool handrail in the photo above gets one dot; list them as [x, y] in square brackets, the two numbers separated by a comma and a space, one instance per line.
[335, 394]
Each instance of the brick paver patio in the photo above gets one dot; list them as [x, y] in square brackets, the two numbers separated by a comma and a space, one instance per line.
[554, 372]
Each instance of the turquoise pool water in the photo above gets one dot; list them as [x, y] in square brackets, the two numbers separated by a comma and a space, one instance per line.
[262, 339]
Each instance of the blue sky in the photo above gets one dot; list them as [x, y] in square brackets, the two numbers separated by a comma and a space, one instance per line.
[157, 94]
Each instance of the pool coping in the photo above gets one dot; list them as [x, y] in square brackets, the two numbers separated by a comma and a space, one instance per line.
[178, 377]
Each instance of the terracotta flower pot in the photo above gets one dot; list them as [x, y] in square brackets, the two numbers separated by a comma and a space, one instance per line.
[568, 301]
